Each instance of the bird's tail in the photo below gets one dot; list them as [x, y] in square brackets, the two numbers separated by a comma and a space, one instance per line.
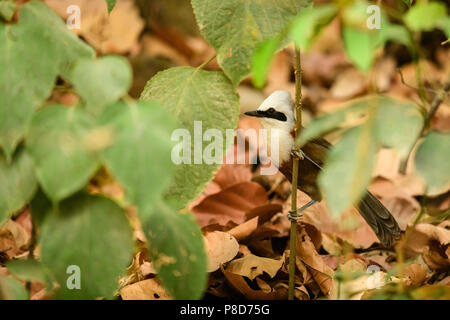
[379, 219]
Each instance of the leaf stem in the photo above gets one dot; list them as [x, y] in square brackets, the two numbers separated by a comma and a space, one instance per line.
[295, 172]
[204, 64]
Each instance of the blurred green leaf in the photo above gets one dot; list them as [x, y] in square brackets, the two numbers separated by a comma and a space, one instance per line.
[40, 206]
[425, 16]
[28, 270]
[12, 289]
[235, 28]
[360, 46]
[262, 59]
[397, 124]
[92, 233]
[194, 95]
[348, 168]
[139, 158]
[101, 82]
[309, 23]
[42, 36]
[17, 183]
[177, 251]
[7, 9]
[111, 4]
[61, 143]
[432, 161]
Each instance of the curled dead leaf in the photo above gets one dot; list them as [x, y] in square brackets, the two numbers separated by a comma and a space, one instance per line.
[221, 247]
[149, 289]
[252, 266]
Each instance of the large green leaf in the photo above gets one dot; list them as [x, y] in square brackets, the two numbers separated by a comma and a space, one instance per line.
[33, 53]
[425, 16]
[101, 82]
[432, 162]
[139, 157]
[17, 183]
[92, 233]
[177, 251]
[348, 168]
[194, 95]
[397, 124]
[61, 141]
[12, 289]
[235, 28]
[28, 270]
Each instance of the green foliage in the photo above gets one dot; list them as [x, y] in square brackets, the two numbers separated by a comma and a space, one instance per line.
[432, 161]
[7, 9]
[90, 232]
[60, 142]
[101, 82]
[176, 249]
[348, 169]
[12, 289]
[17, 183]
[111, 4]
[28, 270]
[139, 157]
[194, 95]
[425, 16]
[235, 28]
[379, 122]
[37, 49]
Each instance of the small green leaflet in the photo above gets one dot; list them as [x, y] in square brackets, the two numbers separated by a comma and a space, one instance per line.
[110, 4]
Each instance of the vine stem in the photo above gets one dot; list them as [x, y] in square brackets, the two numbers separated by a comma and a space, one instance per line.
[295, 172]
[204, 64]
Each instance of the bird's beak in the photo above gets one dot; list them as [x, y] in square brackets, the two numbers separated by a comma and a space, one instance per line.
[255, 113]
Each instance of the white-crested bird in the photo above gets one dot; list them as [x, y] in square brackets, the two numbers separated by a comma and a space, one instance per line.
[277, 116]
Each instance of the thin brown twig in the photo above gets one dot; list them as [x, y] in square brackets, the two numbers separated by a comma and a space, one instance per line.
[295, 172]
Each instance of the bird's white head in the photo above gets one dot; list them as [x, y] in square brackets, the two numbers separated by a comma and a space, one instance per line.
[276, 112]
[277, 117]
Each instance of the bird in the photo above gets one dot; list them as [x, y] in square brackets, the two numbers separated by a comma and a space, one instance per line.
[277, 116]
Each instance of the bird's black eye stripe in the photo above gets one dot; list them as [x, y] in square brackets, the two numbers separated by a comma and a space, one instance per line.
[271, 113]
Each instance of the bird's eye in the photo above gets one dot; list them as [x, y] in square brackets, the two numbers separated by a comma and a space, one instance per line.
[271, 110]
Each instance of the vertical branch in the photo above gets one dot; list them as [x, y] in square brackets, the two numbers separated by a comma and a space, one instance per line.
[295, 172]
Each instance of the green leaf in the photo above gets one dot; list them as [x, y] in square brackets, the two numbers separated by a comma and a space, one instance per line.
[235, 28]
[111, 4]
[7, 9]
[61, 141]
[101, 82]
[92, 233]
[348, 168]
[34, 52]
[28, 270]
[425, 16]
[12, 289]
[40, 206]
[349, 116]
[17, 183]
[140, 158]
[360, 46]
[177, 251]
[432, 162]
[397, 124]
[262, 59]
[194, 95]
[307, 26]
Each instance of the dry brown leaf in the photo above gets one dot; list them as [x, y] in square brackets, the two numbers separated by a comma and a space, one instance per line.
[436, 256]
[13, 239]
[231, 174]
[221, 247]
[149, 289]
[239, 284]
[321, 273]
[416, 273]
[348, 84]
[242, 231]
[252, 266]
[114, 33]
[230, 204]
